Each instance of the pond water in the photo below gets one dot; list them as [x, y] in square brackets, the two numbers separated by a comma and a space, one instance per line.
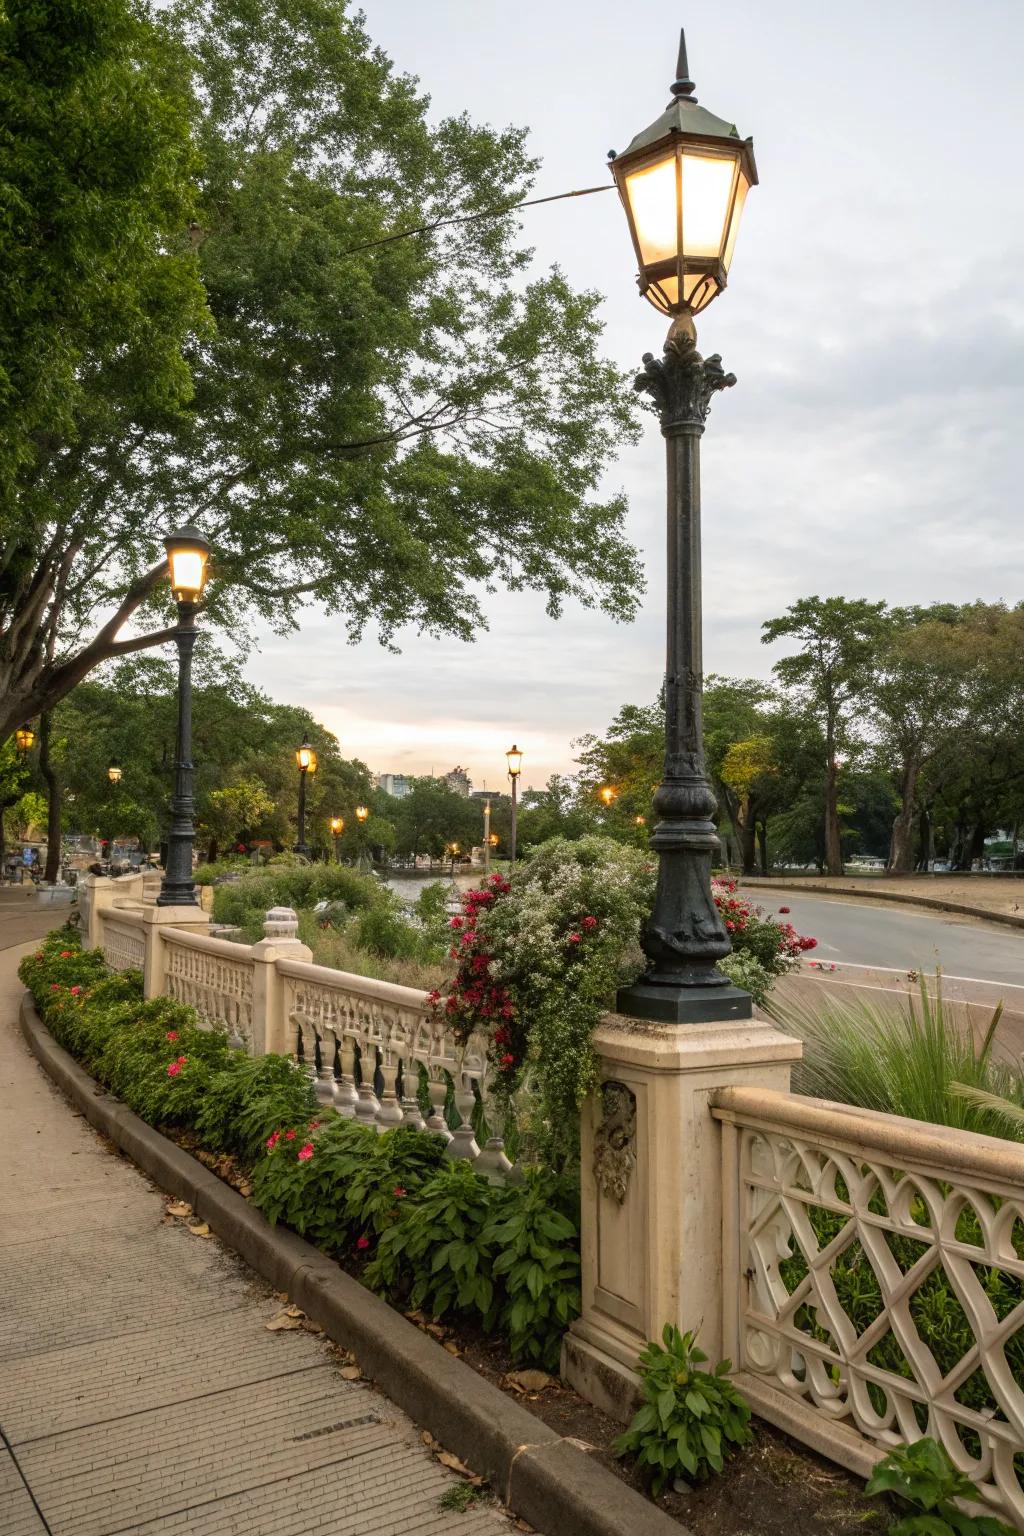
[407, 886]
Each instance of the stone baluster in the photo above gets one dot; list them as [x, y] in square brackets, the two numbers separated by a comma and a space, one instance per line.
[325, 1068]
[437, 1092]
[411, 1112]
[306, 1051]
[390, 1112]
[492, 1162]
[345, 1096]
[463, 1142]
[367, 1103]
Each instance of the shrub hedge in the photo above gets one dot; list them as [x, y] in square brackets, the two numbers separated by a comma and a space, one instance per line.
[432, 1232]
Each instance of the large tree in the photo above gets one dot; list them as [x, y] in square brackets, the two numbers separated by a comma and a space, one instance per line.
[385, 426]
[838, 642]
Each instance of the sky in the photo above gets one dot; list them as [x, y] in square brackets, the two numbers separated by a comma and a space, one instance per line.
[874, 444]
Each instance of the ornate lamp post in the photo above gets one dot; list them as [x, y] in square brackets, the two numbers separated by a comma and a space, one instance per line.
[683, 182]
[362, 812]
[337, 826]
[487, 835]
[515, 768]
[305, 758]
[188, 554]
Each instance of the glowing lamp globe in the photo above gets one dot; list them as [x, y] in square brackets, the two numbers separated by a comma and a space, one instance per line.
[683, 182]
[515, 762]
[24, 738]
[188, 555]
[305, 756]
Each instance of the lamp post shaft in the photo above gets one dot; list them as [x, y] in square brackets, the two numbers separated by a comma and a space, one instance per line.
[300, 846]
[487, 836]
[177, 888]
[684, 936]
[512, 850]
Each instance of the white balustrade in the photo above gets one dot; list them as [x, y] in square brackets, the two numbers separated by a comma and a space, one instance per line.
[215, 977]
[123, 943]
[844, 1231]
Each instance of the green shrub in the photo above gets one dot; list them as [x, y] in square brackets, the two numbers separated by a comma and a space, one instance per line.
[384, 931]
[533, 1249]
[909, 1059]
[691, 1418]
[248, 1099]
[434, 1248]
[925, 1483]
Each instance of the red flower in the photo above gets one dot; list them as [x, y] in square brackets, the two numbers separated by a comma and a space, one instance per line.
[75, 991]
[65, 954]
[456, 922]
[314, 1124]
[590, 922]
[54, 986]
[399, 1192]
[174, 1069]
[362, 1242]
[172, 1034]
[306, 1152]
[508, 1060]
[783, 909]
[273, 1140]
[183, 1059]
[289, 1135]
[575, 938]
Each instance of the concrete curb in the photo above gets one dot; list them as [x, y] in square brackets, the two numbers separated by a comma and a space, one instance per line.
[549, 1481]
[934, 902]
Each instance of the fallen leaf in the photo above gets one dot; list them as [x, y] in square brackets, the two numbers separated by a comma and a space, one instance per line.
[350, 1373]
[310, 1326]
[282, 1322]
[179, 1208]
[202, 1230]
[436, 1330]
[294, 1311]
[453, 1349]
[280, 1295]
[428, 1439]
[521, 1525]
[449, 1459]
[530, 1381]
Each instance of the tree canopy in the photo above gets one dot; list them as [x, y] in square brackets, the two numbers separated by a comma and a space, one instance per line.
[387, 427]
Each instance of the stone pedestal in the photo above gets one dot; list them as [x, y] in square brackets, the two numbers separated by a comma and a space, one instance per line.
[652, 1191]
[271, 1031]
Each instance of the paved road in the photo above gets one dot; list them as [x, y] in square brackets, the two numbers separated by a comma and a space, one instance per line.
[859, 932]
[141, 1393]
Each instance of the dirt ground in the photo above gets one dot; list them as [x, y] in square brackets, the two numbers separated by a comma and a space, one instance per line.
[988, 893]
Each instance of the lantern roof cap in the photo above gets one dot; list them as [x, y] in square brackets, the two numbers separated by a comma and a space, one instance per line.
[685, 115]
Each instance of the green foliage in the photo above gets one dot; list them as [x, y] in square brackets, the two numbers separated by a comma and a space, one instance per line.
[745, 970]
[246, 902]
[911, 1059]
[460, 1497]
[691, 1418]
[437, 1234]
[925, 1483]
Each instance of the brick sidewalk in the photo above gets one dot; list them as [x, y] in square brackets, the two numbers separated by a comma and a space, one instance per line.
[140, 1391]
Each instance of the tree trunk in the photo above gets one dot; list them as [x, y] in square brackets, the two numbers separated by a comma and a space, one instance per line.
[53, 803]
[833, 844]
[762, 843]
[926, 838]
[212, 851]
[901, 844]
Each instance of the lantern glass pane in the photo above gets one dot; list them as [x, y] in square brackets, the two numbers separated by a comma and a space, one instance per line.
[652, 202]
[187, 570]
[741, 196]
[707, 188]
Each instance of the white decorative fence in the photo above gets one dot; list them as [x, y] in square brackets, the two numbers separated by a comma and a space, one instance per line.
[378, 1053]
[849, 1239]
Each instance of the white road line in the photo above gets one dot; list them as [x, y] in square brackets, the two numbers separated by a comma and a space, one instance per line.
[901, 970]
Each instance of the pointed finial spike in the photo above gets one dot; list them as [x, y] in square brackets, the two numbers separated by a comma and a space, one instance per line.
[683, 86]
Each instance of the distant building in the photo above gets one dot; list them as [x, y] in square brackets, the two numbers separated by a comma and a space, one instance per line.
[459, 781]
[397, 785]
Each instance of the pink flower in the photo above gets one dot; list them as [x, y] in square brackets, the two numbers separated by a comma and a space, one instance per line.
[590, 922]
[575, 938]
[75, 991]
[273, 1140]
[306, 1152]
[362, 1242]
[314, 1125]
[65, 954]
[508, 1060]
[174, 1069]
[456, 922]
[172, 1034]
[54, 986]
[182, 1060]
[289, 1135]
[399, 1192]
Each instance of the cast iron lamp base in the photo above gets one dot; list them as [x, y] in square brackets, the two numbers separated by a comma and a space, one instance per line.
[683, 1005]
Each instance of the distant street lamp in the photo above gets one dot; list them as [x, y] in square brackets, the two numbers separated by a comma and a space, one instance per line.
[364, 862]
[487, 835]
[114, 773]
[305, 758]
[515, 768]
[608, 794]
[24, 739]
[188, 555]
[337, 826]
[683, 182]
[452, 849]
[641, 821]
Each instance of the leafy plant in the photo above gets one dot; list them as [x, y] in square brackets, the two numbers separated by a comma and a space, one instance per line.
[919, 1059]
[534, 1249]
[434, 1247]
[691, 1418]
[925, 1482]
